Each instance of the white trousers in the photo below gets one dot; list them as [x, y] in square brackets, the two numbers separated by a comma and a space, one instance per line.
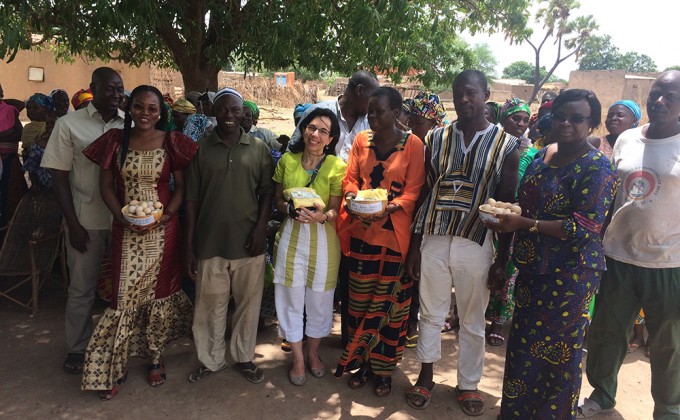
[291, 303]
[452, 261]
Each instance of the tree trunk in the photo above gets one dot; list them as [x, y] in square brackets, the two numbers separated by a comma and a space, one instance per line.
[197, 75]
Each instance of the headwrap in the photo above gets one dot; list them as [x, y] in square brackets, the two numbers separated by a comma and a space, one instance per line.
[429, 106]
[634, 108]
[168, 99]
[226, 91]
[513, 106]
[544, 124]
[495, 110]
[55, 91]
[183, 106]
[80, 97]
[195, 126]
[407, 105]
[193, 96]
[534, 118]
[169, 123]
[42, 100]
[300, 110]
[253, 107]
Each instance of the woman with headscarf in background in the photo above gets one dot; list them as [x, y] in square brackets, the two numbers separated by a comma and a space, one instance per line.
[621, 116]
[492, 112]
[81, 99]
[404, 115]
[11, 188]
[250, 113]
[38, 108]
[181, 110]
[544, 109]
[514, 118]
[61, 102]
[427, 112]
[41, 178]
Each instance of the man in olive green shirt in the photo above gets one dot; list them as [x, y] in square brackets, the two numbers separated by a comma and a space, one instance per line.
[228, 202]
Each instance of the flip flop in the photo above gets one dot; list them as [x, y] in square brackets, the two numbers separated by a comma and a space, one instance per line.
[495, 340]
[154, 378]
[359, 378]
[203, 372]
[251, 372]
[73, 364]
[111, 393]
[411, 341]
[383, 386]
[467, 397]
[419, 391]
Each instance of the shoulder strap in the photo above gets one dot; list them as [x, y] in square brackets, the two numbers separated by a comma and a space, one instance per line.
[316, 172]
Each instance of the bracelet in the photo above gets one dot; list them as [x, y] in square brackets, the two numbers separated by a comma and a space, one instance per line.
[169, 213]
[534, 228]
[326, 219]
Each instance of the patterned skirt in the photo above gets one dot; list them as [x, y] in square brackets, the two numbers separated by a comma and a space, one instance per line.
[140, 323]
[379, 301]
[543, 360]
[142, 331]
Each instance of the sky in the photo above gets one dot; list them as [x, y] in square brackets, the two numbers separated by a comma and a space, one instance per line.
[648, 27]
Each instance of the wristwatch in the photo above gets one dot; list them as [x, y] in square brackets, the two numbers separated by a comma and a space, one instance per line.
[534, 228]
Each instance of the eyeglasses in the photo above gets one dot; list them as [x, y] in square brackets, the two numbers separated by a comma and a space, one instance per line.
[322, 131]
[573, 119]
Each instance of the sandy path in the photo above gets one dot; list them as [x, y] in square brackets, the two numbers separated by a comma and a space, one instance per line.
[34, 386]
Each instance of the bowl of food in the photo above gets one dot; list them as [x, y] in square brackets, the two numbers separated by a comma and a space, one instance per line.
[368, 202]
[142, 213]
[492, 208]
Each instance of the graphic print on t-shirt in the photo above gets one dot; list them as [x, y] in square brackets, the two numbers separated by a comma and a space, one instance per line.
[641, 185]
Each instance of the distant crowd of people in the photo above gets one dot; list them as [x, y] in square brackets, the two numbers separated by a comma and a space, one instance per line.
[594, 246]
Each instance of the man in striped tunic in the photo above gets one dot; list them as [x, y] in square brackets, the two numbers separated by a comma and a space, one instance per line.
[472, 160]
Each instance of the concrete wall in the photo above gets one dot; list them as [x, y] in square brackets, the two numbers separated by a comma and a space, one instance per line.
[614, 85]
[68, 76]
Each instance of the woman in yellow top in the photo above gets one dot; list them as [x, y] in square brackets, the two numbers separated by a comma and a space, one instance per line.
[307, 251]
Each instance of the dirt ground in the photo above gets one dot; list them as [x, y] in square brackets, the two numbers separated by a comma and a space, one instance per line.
[33, 384]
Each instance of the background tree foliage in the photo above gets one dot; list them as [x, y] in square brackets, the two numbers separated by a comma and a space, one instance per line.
[525, 71]
[200, 37]
[569, 34]
[600, 53]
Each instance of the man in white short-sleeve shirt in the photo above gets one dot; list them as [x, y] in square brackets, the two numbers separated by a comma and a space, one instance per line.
[76, 187]
[351, 108]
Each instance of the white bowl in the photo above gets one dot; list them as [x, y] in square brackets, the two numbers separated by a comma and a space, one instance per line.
[143, 220]
[367, 207]
[488, 216]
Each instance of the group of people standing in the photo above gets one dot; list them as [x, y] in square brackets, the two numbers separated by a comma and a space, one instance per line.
[594, 222]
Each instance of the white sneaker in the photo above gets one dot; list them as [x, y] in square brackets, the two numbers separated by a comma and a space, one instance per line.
[590, 408]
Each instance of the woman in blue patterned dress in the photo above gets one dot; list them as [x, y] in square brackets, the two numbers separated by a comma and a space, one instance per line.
[565, 196]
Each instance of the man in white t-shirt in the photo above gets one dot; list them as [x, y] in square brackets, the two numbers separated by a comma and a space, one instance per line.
[642, 245]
